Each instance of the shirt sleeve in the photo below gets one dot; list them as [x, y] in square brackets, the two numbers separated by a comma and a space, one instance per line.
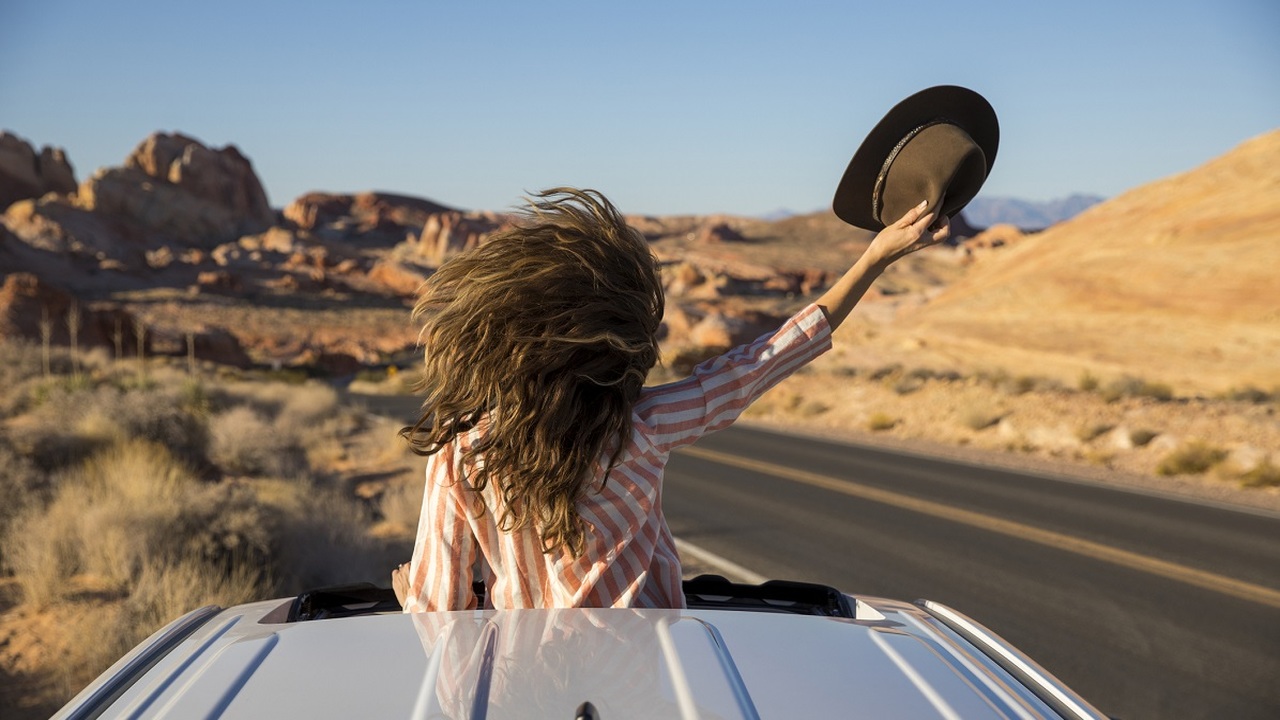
[445, 548]
[721, 388]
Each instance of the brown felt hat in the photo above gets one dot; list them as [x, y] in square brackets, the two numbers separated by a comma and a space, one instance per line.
[937, 145]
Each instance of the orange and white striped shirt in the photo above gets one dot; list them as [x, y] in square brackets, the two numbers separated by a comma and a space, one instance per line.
[630, 558]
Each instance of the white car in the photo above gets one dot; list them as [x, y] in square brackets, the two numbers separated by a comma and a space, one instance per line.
[775, 650]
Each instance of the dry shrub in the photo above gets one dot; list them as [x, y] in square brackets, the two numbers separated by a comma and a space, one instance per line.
[74, 421]
[1261, 476]
[280, 430]
[1250, 394]
[1141, 436]
[243, 441]
[908, 385]
[881, 421]
[401, 502]
[225, 526]
[304, 406]
[161, 593]
[1129, 386]
[1088, 381]
[106, 518]
[322, 539]
[980, 418]
[1191, 458]
[22, 374]
[23, 487]
[1091, 431]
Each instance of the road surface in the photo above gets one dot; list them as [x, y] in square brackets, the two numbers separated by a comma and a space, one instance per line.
[1149, 606]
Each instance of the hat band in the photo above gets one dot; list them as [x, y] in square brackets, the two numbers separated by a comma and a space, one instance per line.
[888, 162]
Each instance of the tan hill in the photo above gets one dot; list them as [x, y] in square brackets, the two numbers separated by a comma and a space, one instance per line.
[1172, 282]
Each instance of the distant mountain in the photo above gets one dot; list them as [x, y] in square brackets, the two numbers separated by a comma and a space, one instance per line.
[1027, 214]
[779, 214]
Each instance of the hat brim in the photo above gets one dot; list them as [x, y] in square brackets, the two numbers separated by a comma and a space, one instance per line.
[854, 199]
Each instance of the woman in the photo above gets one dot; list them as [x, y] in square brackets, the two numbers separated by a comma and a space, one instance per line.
[545, 452]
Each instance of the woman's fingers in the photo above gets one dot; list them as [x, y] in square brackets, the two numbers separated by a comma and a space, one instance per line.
[912, 216]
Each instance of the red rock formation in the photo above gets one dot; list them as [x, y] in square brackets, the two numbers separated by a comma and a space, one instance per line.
[448, 233]
[392, 215]
[397, 278]
[222, 177]
[24, 174]
[27, 303]
[174, 190]
[718, 232]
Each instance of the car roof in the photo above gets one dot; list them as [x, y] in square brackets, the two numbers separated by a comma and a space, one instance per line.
[886, 659]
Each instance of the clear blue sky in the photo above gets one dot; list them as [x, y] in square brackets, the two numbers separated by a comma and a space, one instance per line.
[667, 107]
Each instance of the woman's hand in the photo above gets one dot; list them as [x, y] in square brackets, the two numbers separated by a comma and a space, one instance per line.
[910, 233]
[400, 582]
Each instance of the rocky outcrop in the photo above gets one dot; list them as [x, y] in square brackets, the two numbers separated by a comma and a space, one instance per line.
[174, 190]
[24, 173]
[223, 178]
[718, 232]
[452, 232]
[397, 278]
[29, 307]
[371, 218]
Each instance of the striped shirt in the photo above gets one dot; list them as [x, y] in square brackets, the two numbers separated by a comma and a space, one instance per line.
[630, 558]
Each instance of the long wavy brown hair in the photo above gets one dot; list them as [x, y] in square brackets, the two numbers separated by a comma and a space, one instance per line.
[546, 332]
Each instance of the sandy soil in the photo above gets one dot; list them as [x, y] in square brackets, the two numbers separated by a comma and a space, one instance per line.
[1060, 432]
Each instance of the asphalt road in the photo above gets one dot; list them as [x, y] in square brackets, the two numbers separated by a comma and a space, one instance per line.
[1148, 606]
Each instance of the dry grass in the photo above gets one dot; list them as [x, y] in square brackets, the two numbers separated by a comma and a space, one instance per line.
[1141, 436]
[246, 442]
[1135, 387]
[978, 419]
[1264, 475]
[166, 492]
[1191, 458]
[401, 503]
[879, 422]
[1088, 432]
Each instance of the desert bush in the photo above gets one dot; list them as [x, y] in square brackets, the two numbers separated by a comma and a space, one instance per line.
[22, 373]
[908, 385]
[306, 405]
[979, 418]
[106, 518]
[169, 415]
[1191, 458]
[1129, 386]
[74, 419]
[401, 502]
[323, 540]
[885, 372]
[162, 592]
[1263, 475]
[224, 526]
[22, 486]
[19, 360]
[1249, 394]
[243, 441]
[1088, 382]
[1021, 385]
[1141, 436]
[881, 421]
[1090, 431]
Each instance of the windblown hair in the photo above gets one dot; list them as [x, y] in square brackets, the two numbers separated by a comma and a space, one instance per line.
[546, 333]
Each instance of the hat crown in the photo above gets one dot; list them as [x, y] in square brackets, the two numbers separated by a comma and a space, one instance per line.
[937, 162]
